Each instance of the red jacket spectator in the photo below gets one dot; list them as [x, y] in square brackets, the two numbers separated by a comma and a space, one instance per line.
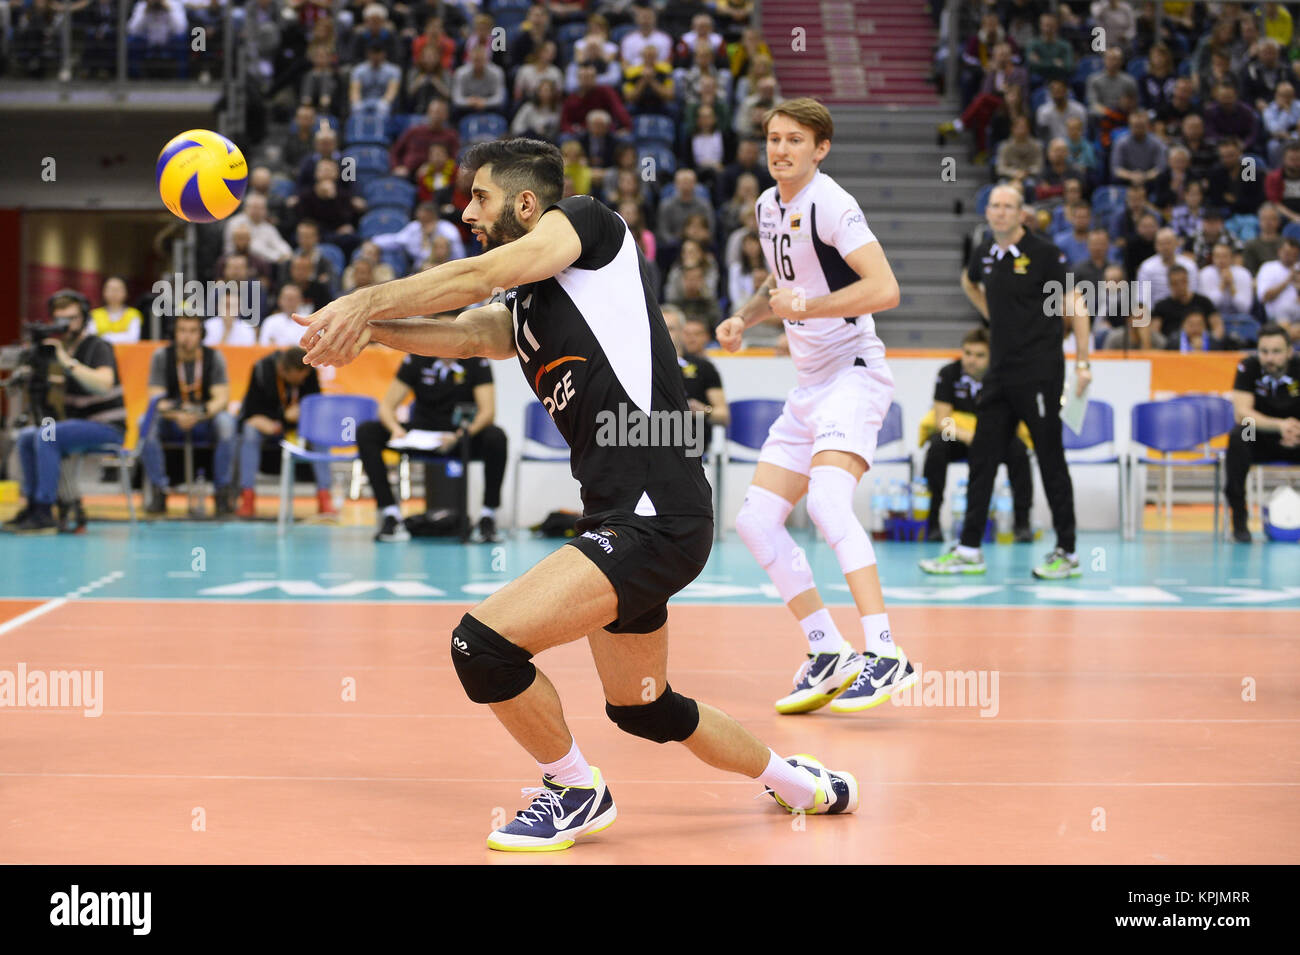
[412, 148]
[573, 116]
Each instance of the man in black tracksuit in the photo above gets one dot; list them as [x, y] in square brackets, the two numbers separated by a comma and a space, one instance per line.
[956, 388]
[1266, 400]
[1017, 281]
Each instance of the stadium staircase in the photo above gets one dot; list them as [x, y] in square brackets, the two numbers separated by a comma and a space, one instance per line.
[869, 61]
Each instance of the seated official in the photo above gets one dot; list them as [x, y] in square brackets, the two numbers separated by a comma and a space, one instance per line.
[1266, 406]
[704, 393]
[439, 385]
[956, 390]
[271, 407]
[93, 412]
[193, 389]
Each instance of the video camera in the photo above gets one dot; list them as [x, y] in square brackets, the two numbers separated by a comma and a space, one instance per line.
[33, 368]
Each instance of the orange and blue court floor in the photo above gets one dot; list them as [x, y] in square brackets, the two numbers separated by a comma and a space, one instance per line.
[265, 700]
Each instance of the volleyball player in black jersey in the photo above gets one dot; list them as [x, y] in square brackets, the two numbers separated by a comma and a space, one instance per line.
[576, 306]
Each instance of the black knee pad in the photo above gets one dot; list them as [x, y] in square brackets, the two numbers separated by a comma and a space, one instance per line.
[490, 667]
[670, 719]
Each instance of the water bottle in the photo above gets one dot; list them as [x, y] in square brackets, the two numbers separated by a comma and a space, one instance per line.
[1005, 518]
[902, 503]
[879, 506]
[198, 495]
[921, 500]
[958, 508]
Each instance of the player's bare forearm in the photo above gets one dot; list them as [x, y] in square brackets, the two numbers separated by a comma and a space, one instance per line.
[486, 332]
[443, 288]
[757, 308]
[863, 297]
[1082, 328]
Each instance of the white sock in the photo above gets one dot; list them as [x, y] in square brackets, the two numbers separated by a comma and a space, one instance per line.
[394, 511]
[569, 770]
[957, 124]
[879, 642]
[968, 552]
[488, 512]
[794, 784]
[823, 636]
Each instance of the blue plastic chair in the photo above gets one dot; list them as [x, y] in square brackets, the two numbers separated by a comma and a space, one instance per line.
[398, 123]
[482, 127]
[1098, 429]
[369, 160]
[665, 163]
[397, 259]
[325, 422]
[366, 128]
[567, 37]
[1244, 327]
[335, 257]
[891, 430]
[548, 447]
[1291, 230]
[1180, 425]
[282, 189]
[1107, 200]
[390, 191]
[751, 420]
[381, 222]
[650, 128]
[1243, 228]
[982, 198]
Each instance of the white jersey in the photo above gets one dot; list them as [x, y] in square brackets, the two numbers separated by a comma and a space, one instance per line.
[806, 243]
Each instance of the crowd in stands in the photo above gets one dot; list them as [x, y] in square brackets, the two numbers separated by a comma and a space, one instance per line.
[1168, 158]
[657, 108]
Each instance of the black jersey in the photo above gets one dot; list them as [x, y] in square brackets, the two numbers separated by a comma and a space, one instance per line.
[595, 350]
[1277, 396]
[953, 386]
[1025, 285]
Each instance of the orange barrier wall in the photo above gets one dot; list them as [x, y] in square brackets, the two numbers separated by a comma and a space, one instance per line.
[373, 370]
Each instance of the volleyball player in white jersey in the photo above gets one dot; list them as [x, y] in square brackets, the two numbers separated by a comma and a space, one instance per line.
[828, 275]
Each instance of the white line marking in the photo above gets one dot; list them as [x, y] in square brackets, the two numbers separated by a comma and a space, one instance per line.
[626, 782]
[32, 614]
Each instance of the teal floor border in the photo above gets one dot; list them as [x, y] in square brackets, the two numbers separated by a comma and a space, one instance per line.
[209, 561]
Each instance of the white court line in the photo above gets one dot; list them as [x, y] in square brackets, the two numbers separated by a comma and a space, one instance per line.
[32, 614]
[627, 782]
[57, 602]
[983, 721]
[901, 605]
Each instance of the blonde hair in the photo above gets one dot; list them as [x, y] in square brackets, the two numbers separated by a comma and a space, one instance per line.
[805, 111]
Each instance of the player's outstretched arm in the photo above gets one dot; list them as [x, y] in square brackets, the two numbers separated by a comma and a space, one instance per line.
[334, 333]
[875, 290]
[486, 332]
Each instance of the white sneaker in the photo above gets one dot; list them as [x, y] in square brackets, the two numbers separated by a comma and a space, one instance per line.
[821, 678]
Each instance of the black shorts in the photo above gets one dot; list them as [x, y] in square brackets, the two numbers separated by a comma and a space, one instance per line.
[647, 559]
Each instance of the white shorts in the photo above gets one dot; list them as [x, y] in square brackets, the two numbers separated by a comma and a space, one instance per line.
[843, 413]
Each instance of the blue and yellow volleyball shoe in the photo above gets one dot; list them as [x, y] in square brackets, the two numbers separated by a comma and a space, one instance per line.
[557, 816]
[880, 678]
[837, 791]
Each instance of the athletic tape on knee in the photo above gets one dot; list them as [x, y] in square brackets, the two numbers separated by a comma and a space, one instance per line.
[761, 525]
[490, 667]
[670, 719]
[830, 505]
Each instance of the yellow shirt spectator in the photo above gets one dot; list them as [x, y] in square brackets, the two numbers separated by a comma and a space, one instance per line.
[1278, 26]
[120, 329]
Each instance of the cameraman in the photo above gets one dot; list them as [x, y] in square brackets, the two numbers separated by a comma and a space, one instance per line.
[190, 381]
[93, 403]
